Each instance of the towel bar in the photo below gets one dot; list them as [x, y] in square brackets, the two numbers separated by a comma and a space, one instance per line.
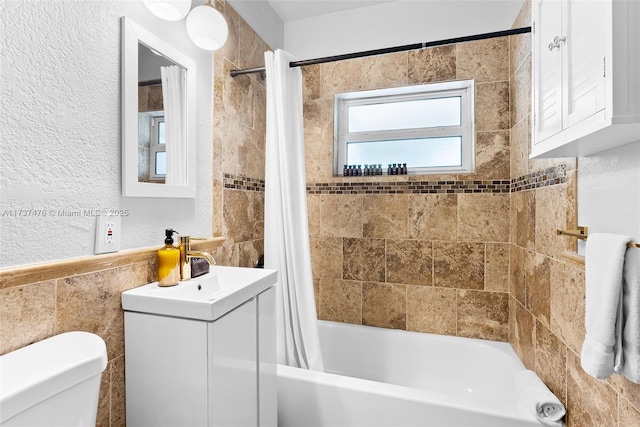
[583, 232]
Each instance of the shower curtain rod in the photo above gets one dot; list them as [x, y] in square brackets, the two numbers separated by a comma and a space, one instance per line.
[395, 49]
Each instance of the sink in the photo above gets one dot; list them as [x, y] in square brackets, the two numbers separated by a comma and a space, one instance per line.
[207, 297]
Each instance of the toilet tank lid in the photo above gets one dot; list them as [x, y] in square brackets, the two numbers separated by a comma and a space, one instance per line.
[43, 369]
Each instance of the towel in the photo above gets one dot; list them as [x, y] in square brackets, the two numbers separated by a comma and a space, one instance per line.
[604, 262]
[631, 317]
[538, 399]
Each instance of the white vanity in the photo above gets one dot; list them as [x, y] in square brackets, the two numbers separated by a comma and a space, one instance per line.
[203, 352]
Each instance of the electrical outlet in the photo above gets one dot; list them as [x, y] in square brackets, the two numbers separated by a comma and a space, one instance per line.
[107, 234]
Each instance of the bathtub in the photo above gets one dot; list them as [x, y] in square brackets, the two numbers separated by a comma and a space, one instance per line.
[383, 377]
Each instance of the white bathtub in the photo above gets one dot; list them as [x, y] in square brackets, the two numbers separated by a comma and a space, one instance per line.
[384, 377]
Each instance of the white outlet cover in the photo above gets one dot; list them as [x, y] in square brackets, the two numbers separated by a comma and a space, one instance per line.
[107, 242]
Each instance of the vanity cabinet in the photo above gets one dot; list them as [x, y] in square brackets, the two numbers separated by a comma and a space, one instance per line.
[586, 76]
[190, 372]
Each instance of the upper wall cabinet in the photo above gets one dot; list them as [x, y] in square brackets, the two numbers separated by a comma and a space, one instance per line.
[586, 76]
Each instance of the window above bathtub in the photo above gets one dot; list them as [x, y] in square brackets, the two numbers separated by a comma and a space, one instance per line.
[429, 127]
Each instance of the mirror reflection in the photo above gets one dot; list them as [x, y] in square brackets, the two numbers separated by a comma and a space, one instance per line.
[152, 154]
[158, 117]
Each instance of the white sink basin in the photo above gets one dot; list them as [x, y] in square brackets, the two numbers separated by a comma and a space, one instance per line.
[204, 298]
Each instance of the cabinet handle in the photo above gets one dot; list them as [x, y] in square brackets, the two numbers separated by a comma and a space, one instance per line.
[556, 42]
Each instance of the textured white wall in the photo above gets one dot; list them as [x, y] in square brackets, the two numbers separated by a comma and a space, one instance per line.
[60, 130]
[609, 191]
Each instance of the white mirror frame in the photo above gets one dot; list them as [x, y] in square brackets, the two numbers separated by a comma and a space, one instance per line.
[132, 34]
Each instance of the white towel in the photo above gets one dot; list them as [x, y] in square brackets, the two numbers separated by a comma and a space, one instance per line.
[538, 399]
[631, 317]
[603, 264]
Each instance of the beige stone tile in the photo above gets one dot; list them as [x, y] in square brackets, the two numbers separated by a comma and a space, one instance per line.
[248, 253]
[217, 203]
[231, 134]
[525, 205]
[567, 305]
[483, 315]
[524, 16]
[311, 121]
[311, 82]
[496, 267]
[341, 300]
[432, 216]
[259, 107]
[384, 305]
[318, 161]
[118, 400]
[522, 333]
[238, 96]
[326, 257]
[251, 48]
[239, 216]
[227, 255]
[538, 286]
[326, 123]
[27, 314]
[251, 153]
[431, 309]
[434, 64]
[518, 273]
[341, 76]
[629, 416]
[551, 215]
[484, 60]
[458, 265]
[590, 402]
[628, 391]
[383, 71]
[493, 156]
[230, 50]
[91, 302]
[104, 400]
[409, 262]
[492, 106]
[520, 48]
[521, 91]
[363, 259]
[551, 365]
[341, 216]
[483, 217]
[313, 211]
[385, 216]
[258, 215]
[520, 143]
[572, 207]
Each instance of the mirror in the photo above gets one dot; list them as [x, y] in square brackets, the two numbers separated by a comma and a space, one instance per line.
[158, 117]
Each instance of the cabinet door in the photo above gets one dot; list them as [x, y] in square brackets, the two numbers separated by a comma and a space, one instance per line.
[584, 56]
[547, 15]
[233, 377]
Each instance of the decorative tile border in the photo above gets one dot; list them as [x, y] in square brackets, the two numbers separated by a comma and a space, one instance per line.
[544, 178]
[409, 187]
[241, 182]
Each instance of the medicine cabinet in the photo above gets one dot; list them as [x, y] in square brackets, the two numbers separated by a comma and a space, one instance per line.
[586, 76]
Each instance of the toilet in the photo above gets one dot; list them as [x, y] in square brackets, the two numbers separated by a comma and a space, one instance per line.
[53, 382]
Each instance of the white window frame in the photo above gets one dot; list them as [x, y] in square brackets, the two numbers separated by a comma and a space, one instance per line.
[155, 147]
[466, 130]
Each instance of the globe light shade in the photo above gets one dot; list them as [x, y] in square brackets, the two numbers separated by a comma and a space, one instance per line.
[170, 10]
[207, 27]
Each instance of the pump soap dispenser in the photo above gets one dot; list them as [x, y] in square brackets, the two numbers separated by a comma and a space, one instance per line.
[168, 261]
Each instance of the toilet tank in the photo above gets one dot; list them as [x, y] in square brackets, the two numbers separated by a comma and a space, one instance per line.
[53, 382]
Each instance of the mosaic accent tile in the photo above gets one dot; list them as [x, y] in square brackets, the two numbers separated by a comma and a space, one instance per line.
[241, 182]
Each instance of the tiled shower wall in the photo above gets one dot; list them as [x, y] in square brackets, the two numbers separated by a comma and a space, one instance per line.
[423, 253]
[546, 303]
[38, 302]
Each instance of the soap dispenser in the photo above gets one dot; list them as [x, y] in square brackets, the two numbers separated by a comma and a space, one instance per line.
[168, 261]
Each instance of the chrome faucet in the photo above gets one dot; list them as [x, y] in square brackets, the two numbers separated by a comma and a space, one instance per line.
[186, 254]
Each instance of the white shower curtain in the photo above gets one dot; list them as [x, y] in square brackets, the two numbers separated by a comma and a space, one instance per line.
[174, 88]
[286, 226]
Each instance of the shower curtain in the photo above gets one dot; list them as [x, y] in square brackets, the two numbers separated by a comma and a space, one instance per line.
[286, 227]
[174, 88]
